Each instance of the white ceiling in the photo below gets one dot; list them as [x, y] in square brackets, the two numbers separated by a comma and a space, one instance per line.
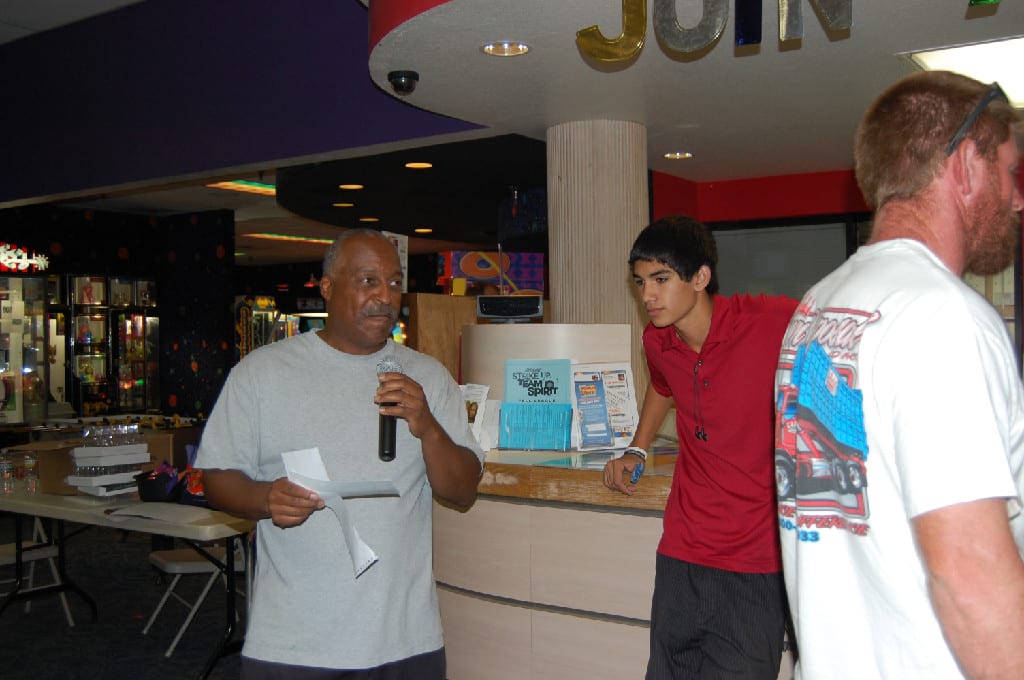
[770, 109]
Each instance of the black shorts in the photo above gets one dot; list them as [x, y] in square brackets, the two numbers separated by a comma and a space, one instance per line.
[429, 666]
[713, 624]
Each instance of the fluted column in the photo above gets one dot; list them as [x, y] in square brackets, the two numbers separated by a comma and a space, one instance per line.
[597, 204]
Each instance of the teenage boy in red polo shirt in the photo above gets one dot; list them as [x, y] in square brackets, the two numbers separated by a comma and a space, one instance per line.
[719, 602]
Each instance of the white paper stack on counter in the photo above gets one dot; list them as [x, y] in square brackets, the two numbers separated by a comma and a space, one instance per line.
[108, 470]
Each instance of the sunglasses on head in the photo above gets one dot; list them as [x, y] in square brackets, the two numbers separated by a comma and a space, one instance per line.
[994, 92]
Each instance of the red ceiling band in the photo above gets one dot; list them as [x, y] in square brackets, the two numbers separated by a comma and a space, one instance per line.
[387, 15]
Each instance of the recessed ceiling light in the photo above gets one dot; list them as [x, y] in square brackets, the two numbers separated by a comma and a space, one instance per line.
[505, 48]
[352, 187]
[423, 230]
[997, 61]
[342, 205]
[417, 165]
[369, 219]
[678, 155]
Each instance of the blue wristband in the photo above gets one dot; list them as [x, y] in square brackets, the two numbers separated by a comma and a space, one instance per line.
[637, 471]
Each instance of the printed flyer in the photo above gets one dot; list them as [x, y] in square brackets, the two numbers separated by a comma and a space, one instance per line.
[533, 381]
[591, 409]
[604, 392]
[475, 397]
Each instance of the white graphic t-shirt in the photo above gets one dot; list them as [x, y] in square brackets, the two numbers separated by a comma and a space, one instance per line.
[897, 393]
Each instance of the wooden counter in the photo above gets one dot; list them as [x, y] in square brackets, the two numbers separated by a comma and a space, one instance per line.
[549, 575]
[554, 477]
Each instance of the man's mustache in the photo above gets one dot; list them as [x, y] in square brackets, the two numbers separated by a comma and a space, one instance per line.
[381, 310]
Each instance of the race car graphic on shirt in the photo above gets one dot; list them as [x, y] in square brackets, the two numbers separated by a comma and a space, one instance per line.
[821, 449]
[820, 443]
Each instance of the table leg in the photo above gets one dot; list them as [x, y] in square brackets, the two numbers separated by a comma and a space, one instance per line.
[13, 594]
[227, 645]
[65, 582]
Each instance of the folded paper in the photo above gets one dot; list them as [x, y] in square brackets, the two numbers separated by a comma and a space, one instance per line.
[306, 467]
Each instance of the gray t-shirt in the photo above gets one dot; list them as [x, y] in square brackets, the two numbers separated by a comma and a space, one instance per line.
[308, 608]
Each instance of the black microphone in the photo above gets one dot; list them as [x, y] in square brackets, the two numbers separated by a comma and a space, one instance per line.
[386, 433]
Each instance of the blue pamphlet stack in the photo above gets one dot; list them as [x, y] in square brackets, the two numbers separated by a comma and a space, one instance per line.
[536, 412]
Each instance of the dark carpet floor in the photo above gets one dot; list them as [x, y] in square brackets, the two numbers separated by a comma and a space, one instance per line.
[113, 567]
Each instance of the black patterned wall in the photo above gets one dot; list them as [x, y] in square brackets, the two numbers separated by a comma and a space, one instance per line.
[197, 331]
[190, 256]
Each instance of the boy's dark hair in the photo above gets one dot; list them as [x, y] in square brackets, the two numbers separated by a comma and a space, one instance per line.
[682, 243]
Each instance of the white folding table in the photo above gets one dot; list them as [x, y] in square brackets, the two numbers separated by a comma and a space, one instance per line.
[201, 525]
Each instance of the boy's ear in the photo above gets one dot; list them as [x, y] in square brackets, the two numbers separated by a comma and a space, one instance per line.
[702, 278]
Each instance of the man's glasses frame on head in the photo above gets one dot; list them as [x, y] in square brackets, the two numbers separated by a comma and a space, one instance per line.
[994, 92]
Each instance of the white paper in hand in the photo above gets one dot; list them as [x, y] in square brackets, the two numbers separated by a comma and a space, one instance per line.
[305, 467]
[345, 489]
[305, 462]
[362, 555]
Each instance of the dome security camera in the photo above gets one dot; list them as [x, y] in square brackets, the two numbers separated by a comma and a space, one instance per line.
[403, 82]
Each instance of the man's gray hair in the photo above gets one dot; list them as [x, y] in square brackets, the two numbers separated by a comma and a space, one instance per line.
[331, 256]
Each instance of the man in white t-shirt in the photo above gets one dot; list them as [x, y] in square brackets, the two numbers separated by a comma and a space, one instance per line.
[315, 615]
[900, 409]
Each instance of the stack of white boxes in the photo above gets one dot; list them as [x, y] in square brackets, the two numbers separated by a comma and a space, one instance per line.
[108, 460]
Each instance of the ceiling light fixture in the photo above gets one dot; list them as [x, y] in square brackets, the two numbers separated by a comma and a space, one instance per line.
[505, 48]
[369, 219]
[343, 205]
[419, 165]
[288, 237]
[245, 186]
[423, 230]
[350, 187]
[990, 62]
[678, 155]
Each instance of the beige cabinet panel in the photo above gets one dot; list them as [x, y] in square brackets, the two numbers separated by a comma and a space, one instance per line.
[575, 648]
[484, 640]
[595, 561]
[486, 549]
[487, 640]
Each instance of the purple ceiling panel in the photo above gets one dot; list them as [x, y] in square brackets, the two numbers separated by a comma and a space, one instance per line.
[173, 87]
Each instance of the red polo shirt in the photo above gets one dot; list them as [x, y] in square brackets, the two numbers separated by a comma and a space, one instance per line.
[721, 510]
